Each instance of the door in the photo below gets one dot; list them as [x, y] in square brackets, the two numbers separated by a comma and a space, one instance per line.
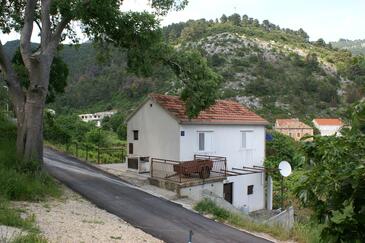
[228, 192]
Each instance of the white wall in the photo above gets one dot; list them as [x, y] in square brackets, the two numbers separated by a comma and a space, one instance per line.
[227, 142]
[254, 201]
[158, 133]
[329, 130]
[197, 192]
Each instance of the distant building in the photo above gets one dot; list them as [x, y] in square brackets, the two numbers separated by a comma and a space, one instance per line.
[96, 117]
[293, 128]
[328, 126]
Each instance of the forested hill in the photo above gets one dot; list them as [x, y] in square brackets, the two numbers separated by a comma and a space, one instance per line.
[277, 72]
[357, 47]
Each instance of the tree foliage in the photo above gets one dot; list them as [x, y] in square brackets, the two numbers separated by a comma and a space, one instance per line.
[200, 82]
[281, 148]
[57, 80]
[333, 186]
[103, 22]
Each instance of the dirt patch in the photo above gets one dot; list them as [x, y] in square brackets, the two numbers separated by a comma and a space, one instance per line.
[73, 219]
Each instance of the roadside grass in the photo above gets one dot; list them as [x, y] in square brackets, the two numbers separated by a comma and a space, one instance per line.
[12, 217]
[21, 181]
[307, 232]
[300, 232]
[30, 238]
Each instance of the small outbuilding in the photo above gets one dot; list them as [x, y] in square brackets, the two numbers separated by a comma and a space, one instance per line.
[160, 128]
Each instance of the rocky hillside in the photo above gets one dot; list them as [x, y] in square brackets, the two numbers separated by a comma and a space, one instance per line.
[357, 47]
[275, 71]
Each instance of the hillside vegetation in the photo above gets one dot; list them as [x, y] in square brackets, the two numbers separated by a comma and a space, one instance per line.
[277, 72]
[357, 47]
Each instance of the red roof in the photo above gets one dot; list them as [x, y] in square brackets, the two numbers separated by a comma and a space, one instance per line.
[290, 123]
[222, 112]
[328, 121]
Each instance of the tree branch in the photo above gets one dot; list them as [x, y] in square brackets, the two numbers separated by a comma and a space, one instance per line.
[26, 34]
[39, 25]
[46, 23]
[60, 27]
[11, 80]
[57, 34]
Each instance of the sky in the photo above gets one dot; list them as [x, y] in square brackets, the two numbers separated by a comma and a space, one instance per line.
[327, 19]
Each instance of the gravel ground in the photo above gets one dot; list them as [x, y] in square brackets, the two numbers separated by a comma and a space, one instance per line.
[73, 219]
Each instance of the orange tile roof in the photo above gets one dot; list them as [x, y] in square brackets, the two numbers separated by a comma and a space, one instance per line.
[290, 123]
[328, 121]
[222, 112]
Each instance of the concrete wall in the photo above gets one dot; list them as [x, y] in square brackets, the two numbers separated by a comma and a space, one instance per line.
[197, 192]
[158, 133]
[284, 219]
[227, 142]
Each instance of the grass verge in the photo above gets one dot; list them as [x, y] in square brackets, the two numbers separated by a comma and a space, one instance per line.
[25, 181]
[300, 232]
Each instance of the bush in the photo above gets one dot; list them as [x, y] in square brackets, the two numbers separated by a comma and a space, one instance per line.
[18, 180]
[97, 137]
[281, 148]
[333, 185]
[207, 206]
[30, 238]
[53, 132]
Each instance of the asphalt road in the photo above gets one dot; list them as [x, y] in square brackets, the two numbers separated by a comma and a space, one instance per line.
[161, 218]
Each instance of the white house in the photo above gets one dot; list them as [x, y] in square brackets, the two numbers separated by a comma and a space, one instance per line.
[328, 126]
[96, 117]
[160, 128]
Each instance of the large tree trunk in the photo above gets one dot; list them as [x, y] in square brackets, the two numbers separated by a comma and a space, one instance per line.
[30, 113]
[30, 129]
[29, 105]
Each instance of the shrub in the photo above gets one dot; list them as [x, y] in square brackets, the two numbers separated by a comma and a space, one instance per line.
[333, 186]
[96, 136]
[30, 238]
[207, 206]
[18, 180]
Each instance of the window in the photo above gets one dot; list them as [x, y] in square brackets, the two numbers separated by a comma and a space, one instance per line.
[135, 134]
[298, 134]
[182, 133]
[201, 141]
[249, 189]
[246, 139]
[130, 148]
[205, 141]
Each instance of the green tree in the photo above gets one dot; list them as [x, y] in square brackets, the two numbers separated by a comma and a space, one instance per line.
[281, 148]
[235, 19]
[96, 136]
[53, 132]
[320, 42]
[244, 19]
[224, 18]
[333, 185]
[103, 22]
[57, 77]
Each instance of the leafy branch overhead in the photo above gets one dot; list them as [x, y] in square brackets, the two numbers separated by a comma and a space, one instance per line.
[201, 83]
[57, 79]
[99, 20]
[333, 186]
